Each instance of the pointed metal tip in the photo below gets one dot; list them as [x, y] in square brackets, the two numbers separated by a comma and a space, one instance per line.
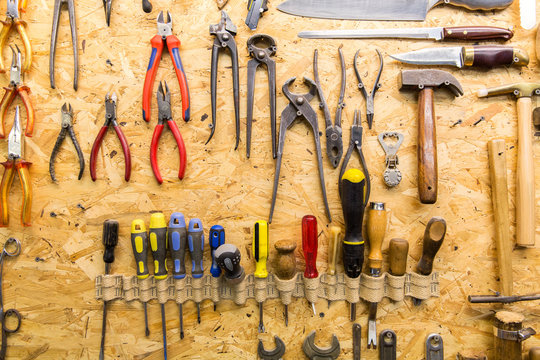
[169, 17]
[181, 334]
[160, 17]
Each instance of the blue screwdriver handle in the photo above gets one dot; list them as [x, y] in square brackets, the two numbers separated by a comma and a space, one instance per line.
[196, 247]
[216, 237]
[177, 237]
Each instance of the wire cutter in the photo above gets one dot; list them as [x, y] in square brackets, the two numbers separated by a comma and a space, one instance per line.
[334, 140]
[370, 98]
[165, 116]
[16, 88]
[261, 56]
[224, 33]
[67, 127]
[16, 163]
[12, 18]
[110, 119]
[173, 44]
[298, 108]
[54, 36]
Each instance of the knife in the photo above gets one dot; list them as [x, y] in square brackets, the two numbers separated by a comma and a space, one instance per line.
[435, 33]
[415, 10]
[487, 56]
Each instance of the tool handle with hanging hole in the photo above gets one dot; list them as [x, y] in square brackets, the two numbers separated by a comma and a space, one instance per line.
[397, 256]
[139, 244]
[177, 241]
[376, 230]
[158, 244]
[260, 248]
[216, 238]
[196, 247]
[310, 245]
[109, 239]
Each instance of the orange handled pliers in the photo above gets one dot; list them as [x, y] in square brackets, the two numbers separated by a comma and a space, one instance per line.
[15, 163]
[12, 18]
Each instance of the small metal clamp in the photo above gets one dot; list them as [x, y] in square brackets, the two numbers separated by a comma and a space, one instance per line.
[517, 336]
[391, 175]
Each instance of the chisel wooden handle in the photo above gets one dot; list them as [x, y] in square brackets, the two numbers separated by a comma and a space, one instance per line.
[476, 33]
[285, 260]
[335, 234]
[376, 229]
[427, 148]
[479, 4]
[433, 239]
[397, 256]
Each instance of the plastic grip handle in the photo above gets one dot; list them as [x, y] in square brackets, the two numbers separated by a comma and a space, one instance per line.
[125, 149]
[153, 64]
[24, 177]
[7, 181]
[158, 245]
[310, 245]
[24, 92]
[153, 152]
[173, 44]
[196, 247]
[260, 248]
[216, 238]
[19, 24]
[139, 244]
[181, 148]
[7, 99]
[177, 236]
[109, 239]
[95, 150]
[4, 33]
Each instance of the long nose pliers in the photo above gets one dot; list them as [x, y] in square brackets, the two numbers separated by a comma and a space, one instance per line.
[12, 18]
[369, 97]
[165, 35]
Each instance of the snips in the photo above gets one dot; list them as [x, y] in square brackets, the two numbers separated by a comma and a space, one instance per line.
[12, 18]
[299, 108]
[54, 36]
[369, 97]
[261, 56]
[334, 134]
[12, 248]
[224, 33]
[67, 128]
[110, 119]
[165, 116]
[17, 88]
[16, 163]
[163, 36]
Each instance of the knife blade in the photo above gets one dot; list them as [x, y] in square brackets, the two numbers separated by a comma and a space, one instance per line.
[415, 10]
[435, 33]
[527, 10]
[487, 56]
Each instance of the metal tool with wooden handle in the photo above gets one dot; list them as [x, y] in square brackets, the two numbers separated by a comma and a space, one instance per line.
[397, 256]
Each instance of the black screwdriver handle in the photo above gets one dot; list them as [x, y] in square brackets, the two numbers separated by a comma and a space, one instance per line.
[177, 237]
[139, 243]
[228, 259]
[158, 244]
[110, 240]
[196, 247]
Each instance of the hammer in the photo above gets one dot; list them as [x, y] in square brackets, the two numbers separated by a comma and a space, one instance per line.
[426, 81]
[525, 202]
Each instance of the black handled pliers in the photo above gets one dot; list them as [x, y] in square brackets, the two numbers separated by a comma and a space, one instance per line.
[67, 128]
[224, 33]
[370, 98]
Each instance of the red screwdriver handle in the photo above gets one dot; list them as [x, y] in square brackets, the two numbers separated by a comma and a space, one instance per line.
[309, 245]
[153, 64]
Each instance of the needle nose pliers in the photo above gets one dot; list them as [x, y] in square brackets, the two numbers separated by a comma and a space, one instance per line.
[370, 98]
[110, 119]
[17, 88]
[12, 18]
[67, 127]
[165, 116]
[54, 36]
[165, 35]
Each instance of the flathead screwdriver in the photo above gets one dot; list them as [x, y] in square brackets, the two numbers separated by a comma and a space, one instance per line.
[110, 239]
[309, 247]
[139, 244]
[196, 248]
[158, 245]
[177, 239]
[216, 238]
[260, 254]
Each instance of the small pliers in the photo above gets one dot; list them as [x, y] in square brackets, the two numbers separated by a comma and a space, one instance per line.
[370, 98]
[165, 116]
[12, 18]
[67, 127]
[173, 44]
[110, 119]
[17, 88]
[16, 163]
[224, 33]
[54, 36]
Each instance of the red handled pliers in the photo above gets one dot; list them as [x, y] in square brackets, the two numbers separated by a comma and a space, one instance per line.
[110, 119]
[173, 44]
[165, 116]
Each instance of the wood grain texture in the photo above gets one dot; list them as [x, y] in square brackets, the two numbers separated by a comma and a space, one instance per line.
[427, 148]
[508, 321]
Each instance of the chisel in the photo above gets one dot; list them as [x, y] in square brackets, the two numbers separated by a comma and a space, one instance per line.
[139, 244]
[177, 241]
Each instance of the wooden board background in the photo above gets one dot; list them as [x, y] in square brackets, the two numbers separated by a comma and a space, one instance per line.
[52, 282]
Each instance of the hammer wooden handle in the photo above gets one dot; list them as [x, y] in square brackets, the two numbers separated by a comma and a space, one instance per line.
[427, 148]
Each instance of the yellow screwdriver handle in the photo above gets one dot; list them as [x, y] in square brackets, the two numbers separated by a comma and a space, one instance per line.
[139, 243]
[376, 231]
[260, 248]
[158, 244]
[335, 238]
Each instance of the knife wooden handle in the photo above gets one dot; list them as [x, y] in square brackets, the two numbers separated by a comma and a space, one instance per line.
[480, 4]
[427, 148]
[489, 56]
[477, 33]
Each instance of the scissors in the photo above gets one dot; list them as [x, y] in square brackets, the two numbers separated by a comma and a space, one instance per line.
[12, 247]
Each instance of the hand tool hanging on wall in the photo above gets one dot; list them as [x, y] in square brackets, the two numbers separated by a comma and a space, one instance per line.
[216, 238]
[482, 56]
[527, 11]
[274, 354]
[12, 248]
[165, 116]
[16, 163]
[139, 245]
[354, 198]
[310, 244]
[195, 238]
[54, 37]
[285, 265]
[165, 35]
[525, 198]
[391, 175]
[499, 299]
[434, 347]
[110, 119]
[259, 250]
[177, 242]
[398, 249]
[299, 108]
[256, 8]
[334, 140]
[333, 244]
[228, 259]
[472, 33]
[110, 240]
[388, 345]
[425, 81]
[509, 334]
[357, 341]
[370, 98]
[313, 352]
[67, 128]
[402, 10]
[107, 5]
[224, 33]
[12, 18]
[261, 56]
[15, 88]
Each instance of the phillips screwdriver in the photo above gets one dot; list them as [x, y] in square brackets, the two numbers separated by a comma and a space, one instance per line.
[139, 244]
[177, 241]
[286, 266]
[309, 247]
[196, 247]
[228, 259]
[216, 238]
[335, 234]
[376, 230]
[353, 201]
[158, 245]
[260, 254]
[397, 256]
[110, 239]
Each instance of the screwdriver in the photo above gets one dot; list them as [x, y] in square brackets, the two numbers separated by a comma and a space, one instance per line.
[158, 245]
[110, 239]
[177, 240]
[353, 201]
[216, 238]
[286, 267]
[309, 247]
[335, 234]
[397, 256]
[376, 230]
[139, 244]
[228, 259]
[260, 254]
[196, 247]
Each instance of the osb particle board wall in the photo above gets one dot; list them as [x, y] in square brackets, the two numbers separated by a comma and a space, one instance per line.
[52, 282]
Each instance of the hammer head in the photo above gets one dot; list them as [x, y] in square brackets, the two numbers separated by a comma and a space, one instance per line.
[518, 89]
[421, 79]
